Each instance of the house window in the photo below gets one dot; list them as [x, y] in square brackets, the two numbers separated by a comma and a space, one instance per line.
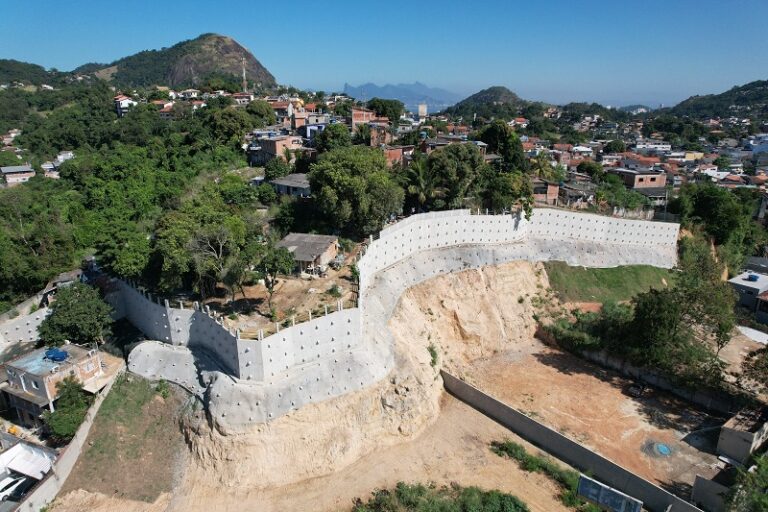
[653, 179]
[35, 384]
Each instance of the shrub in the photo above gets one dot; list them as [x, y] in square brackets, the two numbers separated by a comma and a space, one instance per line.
[433, 354]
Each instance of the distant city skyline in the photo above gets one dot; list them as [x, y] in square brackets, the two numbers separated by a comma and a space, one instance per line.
[615, 53]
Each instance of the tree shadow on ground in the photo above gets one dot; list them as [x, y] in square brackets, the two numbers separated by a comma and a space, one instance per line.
[124, 337]
[679, 489]
[569, 364]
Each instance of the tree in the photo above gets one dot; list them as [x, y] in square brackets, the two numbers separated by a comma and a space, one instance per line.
[332, 137]
[722, 162]
[508, 189]
[457, 169]
[71, 407]
[750, 492]
[362, 135]
[615, 146]
[593, 169]
[503, 141]
[262, 113]
[754, 368]
[78, 314]
[273, 262]
[276, 168]
[541, 166]
[354, 190]
[422, 185]
[230, 125]
[391, 109]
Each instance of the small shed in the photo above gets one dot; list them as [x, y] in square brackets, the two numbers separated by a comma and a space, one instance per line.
[311, 251]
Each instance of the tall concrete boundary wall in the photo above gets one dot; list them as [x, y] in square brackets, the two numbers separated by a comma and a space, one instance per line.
[47, 490]
[653, 497]
[22, 328]
[351, 349]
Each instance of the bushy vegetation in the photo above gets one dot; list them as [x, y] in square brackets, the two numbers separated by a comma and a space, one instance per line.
[566, 479]
[678, 331]
[71, 406]
[420, 498]
[750, 494]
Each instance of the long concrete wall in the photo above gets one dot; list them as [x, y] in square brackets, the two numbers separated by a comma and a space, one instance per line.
[653, 497]
[351, 349]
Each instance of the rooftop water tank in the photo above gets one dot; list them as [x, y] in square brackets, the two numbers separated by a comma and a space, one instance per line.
[56, 354]
[753, 277]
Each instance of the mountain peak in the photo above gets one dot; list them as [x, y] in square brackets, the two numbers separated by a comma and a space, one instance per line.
[187, 63]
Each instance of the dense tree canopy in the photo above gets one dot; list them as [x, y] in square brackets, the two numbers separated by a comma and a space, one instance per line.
[334, 136]
[354, 189]
[78, 314]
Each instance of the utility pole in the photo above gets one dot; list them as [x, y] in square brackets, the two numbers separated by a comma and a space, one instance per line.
[245, 81]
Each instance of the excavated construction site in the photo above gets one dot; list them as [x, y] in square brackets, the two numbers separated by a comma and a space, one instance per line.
[424, 306]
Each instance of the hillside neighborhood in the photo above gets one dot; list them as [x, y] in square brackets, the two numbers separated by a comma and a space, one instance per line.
[222, 293]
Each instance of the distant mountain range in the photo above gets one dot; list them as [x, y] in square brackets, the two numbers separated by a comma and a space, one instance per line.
[187, 63]
[410, 94]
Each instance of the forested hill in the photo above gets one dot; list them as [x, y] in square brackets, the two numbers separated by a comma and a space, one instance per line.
[187, 63]
[493, 102]
[749, 100]
[17, 71]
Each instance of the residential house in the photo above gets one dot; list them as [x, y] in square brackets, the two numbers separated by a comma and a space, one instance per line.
[652, 146]
[640, 178]
[242, 99]
[380, 135]
[296, 185]
[265, 149]
[396, 155]
[545, 192]
[361, 116]
[311, 252]
[123, 104]
[32, 378]
[17, 174]
[749, 286]
[189, 94]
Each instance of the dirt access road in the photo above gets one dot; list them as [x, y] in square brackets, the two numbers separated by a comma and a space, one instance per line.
[454, 449]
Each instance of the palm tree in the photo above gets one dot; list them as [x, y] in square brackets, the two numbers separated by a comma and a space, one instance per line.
[422, 184]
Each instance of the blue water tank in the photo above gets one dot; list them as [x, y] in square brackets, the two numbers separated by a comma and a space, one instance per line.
[753, 277]
[56, 354]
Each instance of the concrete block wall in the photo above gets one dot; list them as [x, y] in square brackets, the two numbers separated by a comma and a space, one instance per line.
[320, 339]
[207, 332]
[560, 224]
[351, 349]
[22, 328]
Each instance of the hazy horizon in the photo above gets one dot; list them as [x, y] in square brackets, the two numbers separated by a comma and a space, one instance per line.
[611, 53]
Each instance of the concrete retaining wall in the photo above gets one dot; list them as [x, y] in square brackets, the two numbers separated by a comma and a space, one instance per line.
[47, 490]
[22, 328]
[654, 498]
[351, 349]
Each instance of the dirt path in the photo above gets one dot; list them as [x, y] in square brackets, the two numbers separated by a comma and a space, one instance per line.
[454, 449]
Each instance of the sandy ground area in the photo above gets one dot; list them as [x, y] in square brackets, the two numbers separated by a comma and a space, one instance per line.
[591, 406]
[453, 449]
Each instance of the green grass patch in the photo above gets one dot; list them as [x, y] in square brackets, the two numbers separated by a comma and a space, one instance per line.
[580, 284]
[567, 479]
[420, 498]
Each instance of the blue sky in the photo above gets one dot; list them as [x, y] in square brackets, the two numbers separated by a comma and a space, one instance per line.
[615, 52]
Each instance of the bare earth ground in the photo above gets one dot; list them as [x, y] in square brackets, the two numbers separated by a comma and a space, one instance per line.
[135, 447]
[454, 449]
[589, 404]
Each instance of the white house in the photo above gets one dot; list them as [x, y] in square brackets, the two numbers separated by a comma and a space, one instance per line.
[123, 104]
